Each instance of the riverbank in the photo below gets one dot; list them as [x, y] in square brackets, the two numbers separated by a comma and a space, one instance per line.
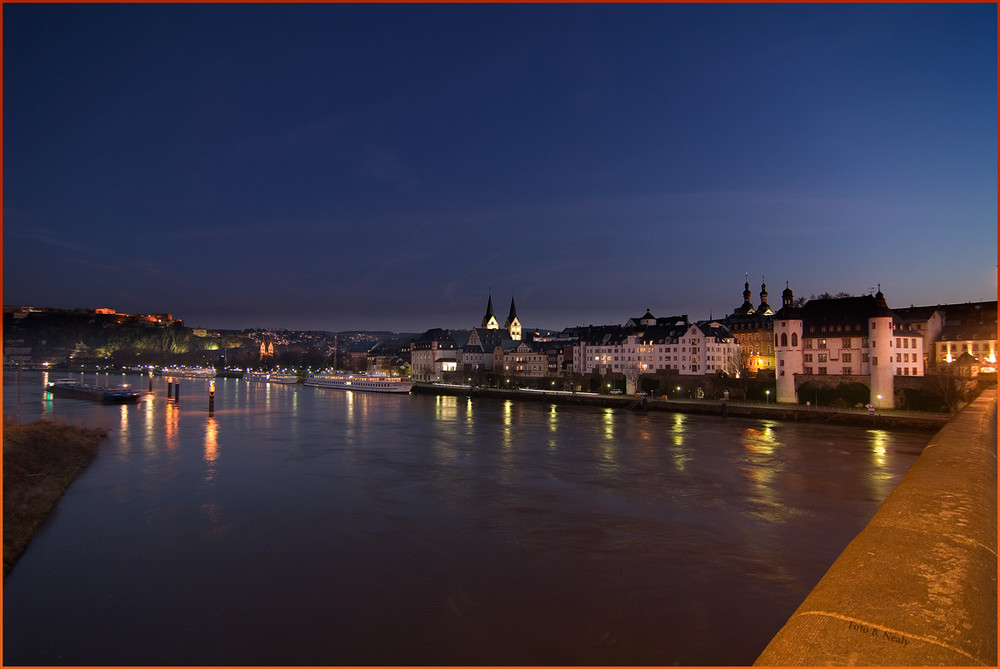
[918, 586]
[40, 460]
[883, 419]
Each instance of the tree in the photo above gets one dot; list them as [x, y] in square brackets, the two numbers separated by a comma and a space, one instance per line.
[737, 366]
[632, 374]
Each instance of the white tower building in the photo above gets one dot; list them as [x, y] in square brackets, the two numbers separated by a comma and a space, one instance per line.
[880, 337]
[787, 347]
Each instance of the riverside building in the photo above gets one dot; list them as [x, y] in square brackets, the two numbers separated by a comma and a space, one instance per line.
[649, 345]
[852, 338]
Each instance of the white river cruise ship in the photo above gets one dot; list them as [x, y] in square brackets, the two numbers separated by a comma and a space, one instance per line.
[376, 383]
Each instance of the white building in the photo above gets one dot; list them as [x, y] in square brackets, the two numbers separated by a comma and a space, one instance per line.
[847, 337]
[432, 354]
[651, 345]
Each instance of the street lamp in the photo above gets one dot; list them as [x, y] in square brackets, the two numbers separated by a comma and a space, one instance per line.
[767, 400]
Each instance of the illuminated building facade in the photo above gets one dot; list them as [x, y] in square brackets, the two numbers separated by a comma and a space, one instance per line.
[753, 328]
[652, 345]
[847, 337]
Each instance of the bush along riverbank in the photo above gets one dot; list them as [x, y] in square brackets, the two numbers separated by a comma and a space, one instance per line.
[40, 460]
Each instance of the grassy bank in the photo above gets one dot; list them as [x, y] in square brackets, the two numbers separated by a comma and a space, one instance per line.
[40, 460]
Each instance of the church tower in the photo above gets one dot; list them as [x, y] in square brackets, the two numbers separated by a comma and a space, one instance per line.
[513, 325]
[489, 320]
[746, 308]
[764, 309]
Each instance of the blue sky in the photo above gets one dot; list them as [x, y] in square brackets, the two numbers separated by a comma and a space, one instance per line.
[329, 166]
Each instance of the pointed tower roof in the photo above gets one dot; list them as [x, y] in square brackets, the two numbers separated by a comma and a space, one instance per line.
[489, 313]
[512, 316]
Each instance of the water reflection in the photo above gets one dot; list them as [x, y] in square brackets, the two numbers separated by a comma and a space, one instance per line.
[423, 531]
[211, 447]
[679, 454]
[763, 468]
[553, 420]
[609, 444]
[508, 421]
[171, 426]
[447, 407]
[881, 480]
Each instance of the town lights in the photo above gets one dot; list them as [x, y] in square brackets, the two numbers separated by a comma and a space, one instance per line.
[767, 399]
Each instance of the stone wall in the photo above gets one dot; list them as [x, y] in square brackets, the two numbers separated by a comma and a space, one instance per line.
[918, 586]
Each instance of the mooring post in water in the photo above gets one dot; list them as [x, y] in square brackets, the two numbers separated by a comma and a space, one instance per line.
[170, 389]
[150, 377]
[211, 398]
[177, 392]
[724, 409]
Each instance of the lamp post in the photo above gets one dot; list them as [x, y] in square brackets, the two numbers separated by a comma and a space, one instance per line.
[767, 398]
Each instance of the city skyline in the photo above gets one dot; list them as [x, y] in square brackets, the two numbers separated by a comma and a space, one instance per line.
[387, 167]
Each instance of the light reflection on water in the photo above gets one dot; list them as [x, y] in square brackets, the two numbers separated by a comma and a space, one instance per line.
[312, 526]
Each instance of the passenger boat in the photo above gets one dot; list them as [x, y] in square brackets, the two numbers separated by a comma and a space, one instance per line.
[189, 372]
[83, 391]
[375, 383]
[272, 377]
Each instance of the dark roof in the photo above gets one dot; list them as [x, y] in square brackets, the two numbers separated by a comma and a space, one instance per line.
[845, 311]
[512, 315]
[967, 332]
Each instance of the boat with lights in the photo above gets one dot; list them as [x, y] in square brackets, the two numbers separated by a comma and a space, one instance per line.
[82, 391]
[188, 372]
[375, 383]
[272, 377]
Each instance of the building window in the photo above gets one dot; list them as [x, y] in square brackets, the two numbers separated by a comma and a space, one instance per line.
[822, 370]
[846, 371]
[846, 357]
[784, 339]
[875, 361]
[822, 357]
[864, 357]
[808, 357]
[845, 342]
[821, 343]
[809, 370]
[914, 371]
[795, 339]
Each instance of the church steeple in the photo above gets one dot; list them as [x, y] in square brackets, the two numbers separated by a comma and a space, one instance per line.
[746, 308]
[764, 309]
[489, 320]
[512, 324]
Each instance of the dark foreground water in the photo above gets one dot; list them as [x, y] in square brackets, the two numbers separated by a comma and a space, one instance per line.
[311, 526]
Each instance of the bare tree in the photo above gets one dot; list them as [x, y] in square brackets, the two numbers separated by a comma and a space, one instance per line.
[737, 366]
[632, 374]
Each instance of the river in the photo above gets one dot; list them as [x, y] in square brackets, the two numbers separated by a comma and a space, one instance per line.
[300, 525]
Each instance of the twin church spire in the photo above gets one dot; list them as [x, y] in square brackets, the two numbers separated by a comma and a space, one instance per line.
[512, 325]
[747, 307]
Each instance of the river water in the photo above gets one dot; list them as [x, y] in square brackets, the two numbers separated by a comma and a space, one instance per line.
[313, 526]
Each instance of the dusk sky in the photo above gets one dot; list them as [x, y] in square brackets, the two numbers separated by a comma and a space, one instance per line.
[385, 166]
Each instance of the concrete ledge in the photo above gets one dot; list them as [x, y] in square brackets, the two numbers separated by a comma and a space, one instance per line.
[918, 586]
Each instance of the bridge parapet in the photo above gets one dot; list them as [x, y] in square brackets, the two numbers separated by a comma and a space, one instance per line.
[918, 586]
